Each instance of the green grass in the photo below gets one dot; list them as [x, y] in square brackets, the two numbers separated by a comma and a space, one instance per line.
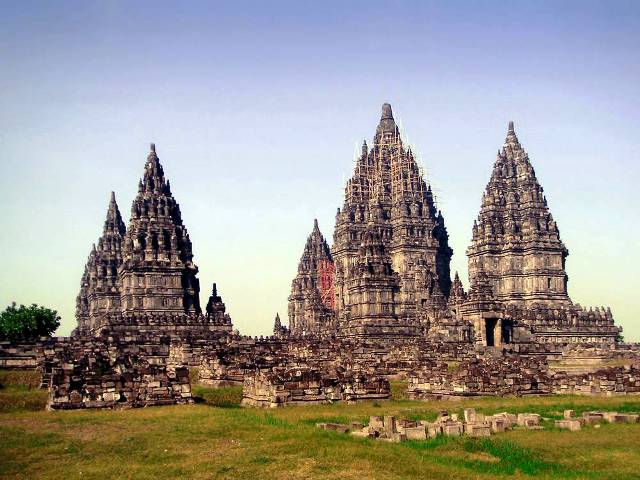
[212, 440]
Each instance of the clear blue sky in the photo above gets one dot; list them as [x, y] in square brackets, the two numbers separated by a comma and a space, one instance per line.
[256, 107]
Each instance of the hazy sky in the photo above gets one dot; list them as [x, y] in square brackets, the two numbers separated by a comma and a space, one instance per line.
[256, 107]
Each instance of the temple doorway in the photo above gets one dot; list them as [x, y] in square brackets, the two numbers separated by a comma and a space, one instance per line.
[490, 331]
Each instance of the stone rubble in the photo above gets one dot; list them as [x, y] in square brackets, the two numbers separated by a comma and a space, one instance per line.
[390, 428]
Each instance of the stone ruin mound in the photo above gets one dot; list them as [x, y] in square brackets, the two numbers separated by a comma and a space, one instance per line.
[95, 379]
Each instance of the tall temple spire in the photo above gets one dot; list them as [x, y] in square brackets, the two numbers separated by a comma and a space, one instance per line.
[157, 250]
[311, 302]
[114, 221]
[389, 189]
[516, 243]
[100, 291]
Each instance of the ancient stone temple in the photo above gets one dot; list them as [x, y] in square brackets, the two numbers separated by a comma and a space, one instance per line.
[100, 289]
[516, 243]
[142, 280]
[158, 274]
[311, 303]
[380, 302]
[517, 265]
[388, 193]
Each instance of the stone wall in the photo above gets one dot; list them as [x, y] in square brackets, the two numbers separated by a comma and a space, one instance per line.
[29, 355]
[505, 375]
[306, 386]
[609, 381]
[106, 374]
[516, 375]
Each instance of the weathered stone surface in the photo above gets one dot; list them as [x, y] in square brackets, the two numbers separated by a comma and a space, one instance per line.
[416, 433]
[282, 386]
[574, 425]
[103, 374]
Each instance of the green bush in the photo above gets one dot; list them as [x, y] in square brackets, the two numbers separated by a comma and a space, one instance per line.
[27, 323]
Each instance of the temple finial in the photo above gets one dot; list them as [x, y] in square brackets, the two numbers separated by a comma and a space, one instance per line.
[512, 138]
[153, 148]
[387, 113]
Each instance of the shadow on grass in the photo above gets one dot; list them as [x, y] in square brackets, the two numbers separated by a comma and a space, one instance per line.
[221, 397]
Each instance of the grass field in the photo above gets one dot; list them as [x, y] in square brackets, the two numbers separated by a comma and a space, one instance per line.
[216, 439]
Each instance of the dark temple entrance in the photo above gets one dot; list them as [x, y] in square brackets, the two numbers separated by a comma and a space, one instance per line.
[490, 331]
[507, 331]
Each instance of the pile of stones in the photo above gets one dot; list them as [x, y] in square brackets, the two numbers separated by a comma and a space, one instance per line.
[119, 385]
[305, 385]
[473, 424]
[113, 372]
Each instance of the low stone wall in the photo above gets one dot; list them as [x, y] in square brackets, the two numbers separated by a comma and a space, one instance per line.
[289, 386]
[29, 355]
[609, 381]
[514, 375]
[507, 375]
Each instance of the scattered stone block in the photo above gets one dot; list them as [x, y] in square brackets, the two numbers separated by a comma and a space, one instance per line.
[390, 424]
[433, 430]
[615, 417]
[477, 429]
[376, 423]
[574, 425]
[593, 417]
[452, 429]
[469, 415]
[406, 423]
[396, 437]
[528, 420]
[415, 433]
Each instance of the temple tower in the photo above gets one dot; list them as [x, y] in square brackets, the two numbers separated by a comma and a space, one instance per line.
[388, 190]
[99, 291]
[373, 287]
[158, 274]
[311, 303]
[516, 243]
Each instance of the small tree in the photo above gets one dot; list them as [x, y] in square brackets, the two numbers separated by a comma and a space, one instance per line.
[27, 323]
